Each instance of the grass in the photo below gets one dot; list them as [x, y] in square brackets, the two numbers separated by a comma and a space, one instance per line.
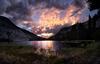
[27, 55]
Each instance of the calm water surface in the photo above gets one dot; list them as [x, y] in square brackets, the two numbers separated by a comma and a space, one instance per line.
[51, 45]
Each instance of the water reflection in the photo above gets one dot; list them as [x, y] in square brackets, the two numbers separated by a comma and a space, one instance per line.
[47, 45]
[43, 44]
[51, 45]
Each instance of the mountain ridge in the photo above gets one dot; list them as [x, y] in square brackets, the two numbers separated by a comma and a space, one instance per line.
[10, 32]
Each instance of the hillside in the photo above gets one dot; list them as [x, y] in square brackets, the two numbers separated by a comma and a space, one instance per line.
[10, 32]
[77, 32]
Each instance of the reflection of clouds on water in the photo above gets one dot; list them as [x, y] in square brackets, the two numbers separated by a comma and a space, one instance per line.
[47, 45]
[44, 44]
[44, 47]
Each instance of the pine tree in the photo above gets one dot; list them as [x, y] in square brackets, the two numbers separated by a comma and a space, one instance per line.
[92, 21]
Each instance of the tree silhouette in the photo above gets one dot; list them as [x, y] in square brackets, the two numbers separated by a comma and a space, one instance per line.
[92, 21]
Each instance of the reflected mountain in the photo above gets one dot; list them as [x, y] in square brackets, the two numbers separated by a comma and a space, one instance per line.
[10, 32]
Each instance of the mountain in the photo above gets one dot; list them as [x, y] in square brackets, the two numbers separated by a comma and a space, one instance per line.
[10, 32]
[89, 30]
[77, 32]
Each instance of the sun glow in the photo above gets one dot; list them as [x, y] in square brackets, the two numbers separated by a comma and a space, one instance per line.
[45, 35]
[44, 22]
[50, 18]
[44, 44]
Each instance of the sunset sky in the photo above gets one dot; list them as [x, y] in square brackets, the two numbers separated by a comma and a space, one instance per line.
[45, 16]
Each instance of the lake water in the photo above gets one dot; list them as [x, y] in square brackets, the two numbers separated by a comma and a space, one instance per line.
[51, 45]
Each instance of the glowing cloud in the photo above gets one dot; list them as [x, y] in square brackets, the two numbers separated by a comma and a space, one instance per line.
[45, 16]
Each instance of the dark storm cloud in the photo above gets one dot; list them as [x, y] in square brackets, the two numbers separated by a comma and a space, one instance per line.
[20, 9]
[80, 3]
[62, 4]
[3, 5]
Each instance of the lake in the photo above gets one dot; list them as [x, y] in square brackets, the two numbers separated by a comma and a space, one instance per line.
[51, 45]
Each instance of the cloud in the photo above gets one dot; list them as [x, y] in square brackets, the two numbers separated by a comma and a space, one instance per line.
[3, 5]
[34, 11]
[20, 9]
[16, 8]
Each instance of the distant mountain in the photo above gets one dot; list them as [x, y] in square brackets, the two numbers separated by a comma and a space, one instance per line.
[10, 32]
[77, 32]
[89, 30]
